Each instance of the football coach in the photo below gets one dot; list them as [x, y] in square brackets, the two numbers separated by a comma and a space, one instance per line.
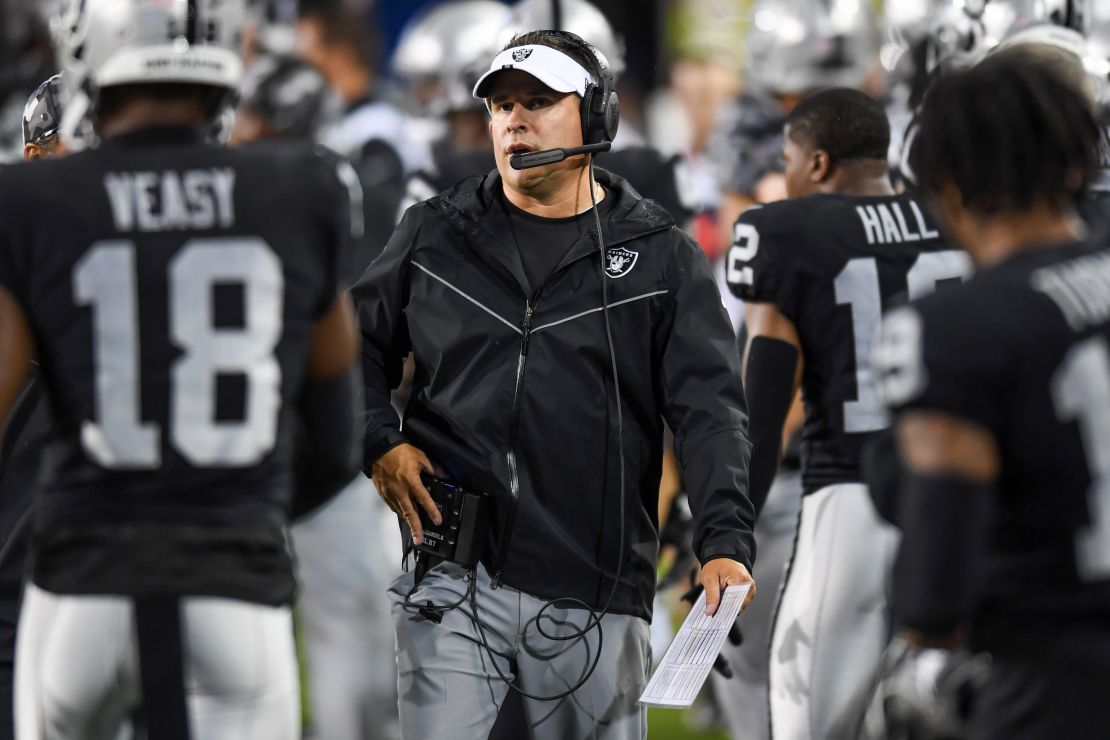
[556, 320]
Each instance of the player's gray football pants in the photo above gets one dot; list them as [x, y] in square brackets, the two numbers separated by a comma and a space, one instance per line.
[743, 698]
[348, 553]
[450, 690]
[832, 622]
[77, 674]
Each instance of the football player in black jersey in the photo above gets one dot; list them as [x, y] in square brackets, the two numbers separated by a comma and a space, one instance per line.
[1001, 389]
[183, 304]
[815, 272]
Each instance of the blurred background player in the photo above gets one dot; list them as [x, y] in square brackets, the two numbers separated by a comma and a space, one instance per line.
[26, 59]
[281, 97]
[369, 131]
[437, 54]
[184, 315]
[347, 550]
[1001, 424]
[925, 43]
[813, 272]
[441, 53]
[794, 47]
[28, 429]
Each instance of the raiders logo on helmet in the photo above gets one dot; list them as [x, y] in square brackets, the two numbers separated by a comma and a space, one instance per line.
[521, 54]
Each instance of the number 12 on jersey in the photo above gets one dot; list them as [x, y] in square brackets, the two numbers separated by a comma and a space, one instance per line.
[106, 279]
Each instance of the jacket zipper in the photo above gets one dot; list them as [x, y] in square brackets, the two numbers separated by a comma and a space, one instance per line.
[514, 419]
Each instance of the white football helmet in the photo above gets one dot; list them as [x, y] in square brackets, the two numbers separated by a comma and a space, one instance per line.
[443, 50]
[577, 16]
[795, 46]
[102, 43]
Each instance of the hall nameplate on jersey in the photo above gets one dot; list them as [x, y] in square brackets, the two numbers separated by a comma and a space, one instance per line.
[170, 200]
[886, 223]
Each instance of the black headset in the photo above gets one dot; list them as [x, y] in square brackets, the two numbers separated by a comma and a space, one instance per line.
[600, 106]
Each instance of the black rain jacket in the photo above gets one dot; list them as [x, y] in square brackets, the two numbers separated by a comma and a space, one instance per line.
[513, 391]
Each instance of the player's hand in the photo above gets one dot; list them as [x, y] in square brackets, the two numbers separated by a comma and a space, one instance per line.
[721, 572]
[396, 475]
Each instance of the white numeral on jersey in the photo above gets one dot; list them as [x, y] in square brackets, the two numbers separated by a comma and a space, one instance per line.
[201, 264]
[745, 244]
[1081, 391]
[857, 285]
[106, 277]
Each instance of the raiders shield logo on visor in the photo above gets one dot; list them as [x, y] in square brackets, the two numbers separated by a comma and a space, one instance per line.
[620, 261]
[521, 54]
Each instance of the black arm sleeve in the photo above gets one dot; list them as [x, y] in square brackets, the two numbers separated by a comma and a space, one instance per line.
[704, 405]
[327, 452]
[938, 566]
[770, 387]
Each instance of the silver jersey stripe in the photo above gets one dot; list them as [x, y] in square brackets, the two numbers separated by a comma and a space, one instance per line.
[599, 308]
[488, 310]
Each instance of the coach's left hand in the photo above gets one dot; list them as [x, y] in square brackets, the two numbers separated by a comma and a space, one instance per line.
[721, 572]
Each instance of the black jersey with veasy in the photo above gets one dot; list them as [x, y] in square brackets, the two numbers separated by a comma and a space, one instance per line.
[513, 389]
[172, 293]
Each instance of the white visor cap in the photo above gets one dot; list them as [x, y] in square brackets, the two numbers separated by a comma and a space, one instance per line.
[550, 66]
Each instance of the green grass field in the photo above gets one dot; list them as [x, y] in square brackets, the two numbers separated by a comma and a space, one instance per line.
[672, 724]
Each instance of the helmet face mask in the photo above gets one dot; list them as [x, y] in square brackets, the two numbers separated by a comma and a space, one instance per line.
[104, 43]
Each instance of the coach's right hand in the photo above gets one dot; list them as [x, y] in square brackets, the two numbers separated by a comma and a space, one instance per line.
[396, 475]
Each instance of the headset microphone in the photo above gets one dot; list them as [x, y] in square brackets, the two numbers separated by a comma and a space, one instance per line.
[551, 156]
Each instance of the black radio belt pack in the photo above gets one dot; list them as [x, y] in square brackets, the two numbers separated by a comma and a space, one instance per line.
[461, 537]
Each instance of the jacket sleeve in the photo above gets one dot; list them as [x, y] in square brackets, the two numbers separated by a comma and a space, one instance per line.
[380, 296]
[703, 402]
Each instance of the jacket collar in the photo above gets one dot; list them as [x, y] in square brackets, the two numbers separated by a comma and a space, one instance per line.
[472, 208]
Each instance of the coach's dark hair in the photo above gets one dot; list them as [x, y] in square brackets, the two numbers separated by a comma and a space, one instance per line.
[846, 123]
[1006, 133]
[572, 45]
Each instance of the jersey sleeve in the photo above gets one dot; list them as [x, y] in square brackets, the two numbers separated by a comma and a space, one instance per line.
[942, 357]
[757, 266]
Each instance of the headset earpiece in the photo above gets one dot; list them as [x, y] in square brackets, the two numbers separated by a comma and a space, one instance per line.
[600, 106]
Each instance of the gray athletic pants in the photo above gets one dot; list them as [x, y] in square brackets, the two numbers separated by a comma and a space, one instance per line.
[449, 689]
